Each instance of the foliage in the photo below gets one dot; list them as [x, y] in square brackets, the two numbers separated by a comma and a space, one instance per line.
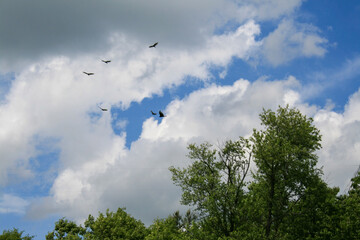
[177, 227]
[315, 215]
[350, 211]
[65, 229]
[165, 229]
[118, 225]
[284, 153]
[14, 235]
[214, 183]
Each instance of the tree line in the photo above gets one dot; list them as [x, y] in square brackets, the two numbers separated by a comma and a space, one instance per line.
[283, 198]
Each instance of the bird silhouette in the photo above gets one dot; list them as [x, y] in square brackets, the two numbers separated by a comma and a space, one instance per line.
[161, 114]
[106, 61]
[154, 45]
[102, 109]
[153, 113]
[89, 73]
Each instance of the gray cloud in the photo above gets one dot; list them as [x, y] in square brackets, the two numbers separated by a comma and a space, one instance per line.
[30, 30]
[33, 29]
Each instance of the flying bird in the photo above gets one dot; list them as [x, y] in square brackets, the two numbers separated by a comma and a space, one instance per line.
[106, 61]
[102, 109]
[161, 114]
[154, 45]
[89, 73]
[153, 113]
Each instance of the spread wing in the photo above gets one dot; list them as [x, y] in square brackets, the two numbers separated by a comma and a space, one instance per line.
[154, 45]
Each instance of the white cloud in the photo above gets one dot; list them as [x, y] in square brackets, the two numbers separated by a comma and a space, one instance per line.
[291, 40]
[219, 111]
[139, 178]
[54, 98]
[341, 143]
[12, 204]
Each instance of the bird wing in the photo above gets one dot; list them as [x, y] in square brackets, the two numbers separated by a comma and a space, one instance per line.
[102, 109]
[154, 45]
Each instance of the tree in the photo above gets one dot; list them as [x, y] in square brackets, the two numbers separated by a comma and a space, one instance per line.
[214, 183]
[118, 225]
[350, 211]
[315, 215]
[65, 229]
[175, 227]
[284, 153]
[14, 235]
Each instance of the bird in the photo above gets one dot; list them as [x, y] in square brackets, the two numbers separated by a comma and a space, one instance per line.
[89, 73]
[161, 114]
[102, 109]
[154, 45]
[153, 113]
[106, 61]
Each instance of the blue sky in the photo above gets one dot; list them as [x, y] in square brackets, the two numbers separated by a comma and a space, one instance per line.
[217, 64]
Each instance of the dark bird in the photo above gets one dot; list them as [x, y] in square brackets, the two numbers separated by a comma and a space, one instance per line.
[154, 45]
[153, 113]
[161, 114]
[106, 61]
[87, 73]
[102, 109]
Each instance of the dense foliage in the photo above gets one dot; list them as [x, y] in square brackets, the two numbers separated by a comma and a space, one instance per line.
[284, 198]
[14, 234]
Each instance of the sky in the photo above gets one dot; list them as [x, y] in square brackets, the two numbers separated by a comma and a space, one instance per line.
[217, 65]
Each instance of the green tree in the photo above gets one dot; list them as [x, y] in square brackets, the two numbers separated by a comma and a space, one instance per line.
[350, 211]
[14, 235]
[284, 153]
[315, 215]
[175, 227]
[114, 226]
[165, 229]
[65, 229]
[214, 184]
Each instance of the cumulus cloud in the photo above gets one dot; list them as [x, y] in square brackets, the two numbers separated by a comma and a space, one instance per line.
[341, 144]
[57, 100]
[138, 178]
[291, 40]
[111, 176]
[50, 97]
